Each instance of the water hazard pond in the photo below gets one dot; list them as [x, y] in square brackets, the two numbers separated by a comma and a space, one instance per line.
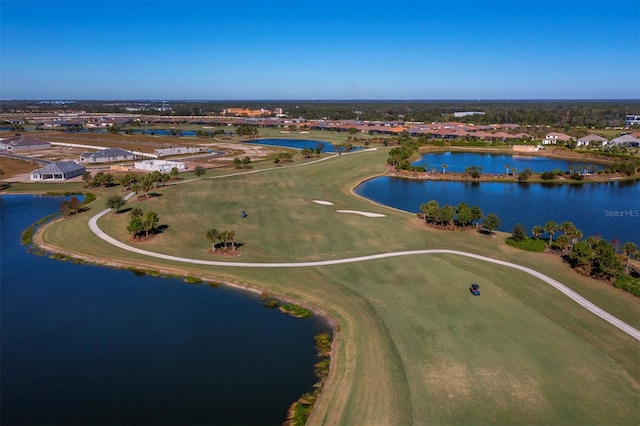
[82, 344]
[611, 209]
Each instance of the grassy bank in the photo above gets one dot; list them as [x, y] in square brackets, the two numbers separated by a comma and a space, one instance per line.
[413, 346]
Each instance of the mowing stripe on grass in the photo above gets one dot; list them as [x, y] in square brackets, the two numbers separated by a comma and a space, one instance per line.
[633, 332]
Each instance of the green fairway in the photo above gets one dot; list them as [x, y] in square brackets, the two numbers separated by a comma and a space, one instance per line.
[413, 346]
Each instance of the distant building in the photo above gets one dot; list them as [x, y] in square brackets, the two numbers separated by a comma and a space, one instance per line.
[553, 138]
[626, 141]
[246, 112]
[109, 155]
[163, 152]
[591, 139]
[465, 113]
[163, 166]
[20, 143]
[631, 119]
[58, 171]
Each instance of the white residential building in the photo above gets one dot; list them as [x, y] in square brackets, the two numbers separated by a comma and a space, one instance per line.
[58, 171]
[591, 139]
[163, 166]
[553, 138]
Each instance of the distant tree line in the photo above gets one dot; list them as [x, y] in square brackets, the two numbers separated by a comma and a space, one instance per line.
[558, 114]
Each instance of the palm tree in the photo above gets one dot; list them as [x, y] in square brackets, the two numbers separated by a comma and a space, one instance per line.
[563, 242]
[444, 168]
[212, 235]
[150, 222]
[476, 215]
[231, 237]
[630, 250]
[507, 166]
[136, 212]
[551, 227]
[537, 231]
[567, 227]
[576, 234]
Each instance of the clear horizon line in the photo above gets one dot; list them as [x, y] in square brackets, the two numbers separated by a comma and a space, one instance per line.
[476, 100]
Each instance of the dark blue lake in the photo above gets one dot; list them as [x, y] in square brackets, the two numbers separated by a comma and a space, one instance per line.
[457, 162]
[90, 345]
[294, 143]
[611, 210]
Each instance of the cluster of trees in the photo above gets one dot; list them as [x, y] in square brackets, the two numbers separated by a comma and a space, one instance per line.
[144, 183]
[245, 163]
[310, 152]
[70, 206]
[594, 256]
[100, 179]
[399, 156]
[222, 240]
[628, 167]
[143, 223]
[204, 134]
[462, 215]
[283, 158]
[244, 130]
[343, 147]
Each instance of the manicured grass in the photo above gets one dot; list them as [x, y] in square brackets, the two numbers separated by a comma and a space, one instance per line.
[413, 345]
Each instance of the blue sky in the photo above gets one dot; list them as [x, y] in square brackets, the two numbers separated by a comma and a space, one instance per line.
[319, 50]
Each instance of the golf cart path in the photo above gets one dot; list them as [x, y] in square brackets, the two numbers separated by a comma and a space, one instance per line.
[633, 332]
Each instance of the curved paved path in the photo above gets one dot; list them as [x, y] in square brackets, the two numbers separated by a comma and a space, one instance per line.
[633, 332]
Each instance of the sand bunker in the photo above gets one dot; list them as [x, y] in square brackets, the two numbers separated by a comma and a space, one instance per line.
[324, 203]
[367, 214]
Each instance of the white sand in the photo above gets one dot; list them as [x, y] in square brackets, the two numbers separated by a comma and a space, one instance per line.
[367, 214]
[324, 203]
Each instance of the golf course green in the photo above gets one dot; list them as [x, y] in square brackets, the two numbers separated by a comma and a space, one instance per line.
[411, 344]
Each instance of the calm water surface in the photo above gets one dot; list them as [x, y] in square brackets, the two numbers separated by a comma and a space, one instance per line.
[611, 210]
[495, 163]
[87, 345]
[294, 143]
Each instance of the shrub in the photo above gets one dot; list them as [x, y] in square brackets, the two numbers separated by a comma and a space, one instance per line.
[519, 233]
[89, 197]
[528, 244]
[628, 284]
[295, 310]
[192, 280]
[525, 175]
[547, 176]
